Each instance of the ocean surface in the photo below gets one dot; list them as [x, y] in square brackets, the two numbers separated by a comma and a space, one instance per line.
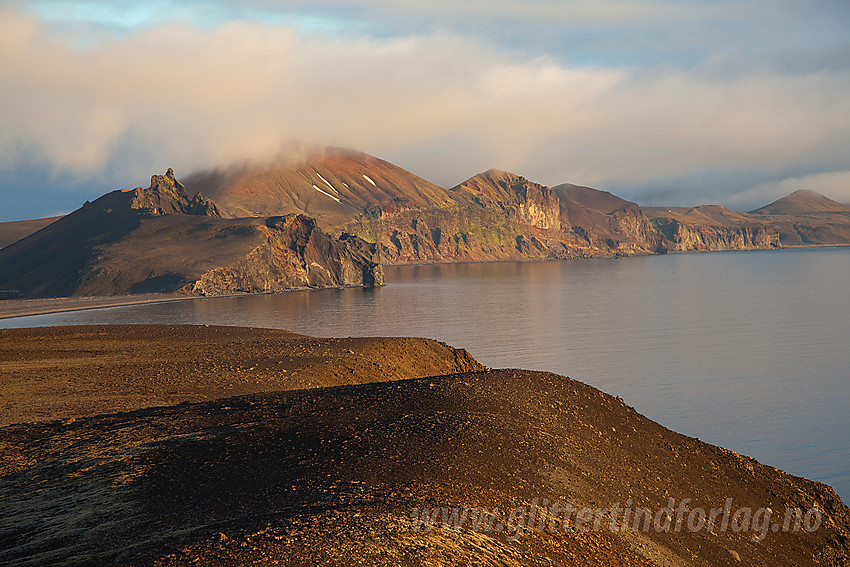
[748, 350]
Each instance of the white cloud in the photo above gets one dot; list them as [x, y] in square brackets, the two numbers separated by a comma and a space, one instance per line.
[181, 96]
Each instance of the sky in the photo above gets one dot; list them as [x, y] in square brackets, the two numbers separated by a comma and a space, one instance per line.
[734, 102]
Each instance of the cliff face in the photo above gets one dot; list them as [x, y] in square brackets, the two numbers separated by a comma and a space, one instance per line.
[497, 215]
[295, 255]
[814, 229]
[160, 239]
[681, 237]
[457, 235]
[803, 218]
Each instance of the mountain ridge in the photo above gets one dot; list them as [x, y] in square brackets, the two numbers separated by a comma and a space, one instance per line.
[376, 213]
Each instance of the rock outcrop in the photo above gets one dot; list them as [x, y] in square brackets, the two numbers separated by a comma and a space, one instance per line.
[166, 195]
[295, 255]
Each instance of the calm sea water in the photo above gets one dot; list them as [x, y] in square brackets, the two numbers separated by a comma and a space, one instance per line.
[748, 350]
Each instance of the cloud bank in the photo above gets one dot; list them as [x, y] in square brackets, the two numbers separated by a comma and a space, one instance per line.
[90, 105]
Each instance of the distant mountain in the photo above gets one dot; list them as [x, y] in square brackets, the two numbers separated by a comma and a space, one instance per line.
[495, 215]
[159, 239]
[801, 218]
[802, 202]
[333, 185]
[702, 215]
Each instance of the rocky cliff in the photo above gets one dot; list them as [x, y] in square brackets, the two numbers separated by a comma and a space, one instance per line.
[608, 223]
[295, 255]
[502, 216]
[497, 215]
[680, 237]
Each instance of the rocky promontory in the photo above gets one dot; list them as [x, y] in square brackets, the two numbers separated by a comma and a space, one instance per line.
[158, 239]
[295, 255]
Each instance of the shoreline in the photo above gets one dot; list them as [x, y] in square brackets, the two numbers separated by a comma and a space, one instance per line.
[13, 308]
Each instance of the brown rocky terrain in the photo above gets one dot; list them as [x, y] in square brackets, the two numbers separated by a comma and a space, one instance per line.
[340, 475]
[159, 240]
[68, 372]
[11, 232]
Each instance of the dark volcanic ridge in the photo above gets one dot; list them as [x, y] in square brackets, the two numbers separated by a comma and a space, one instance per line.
[336, 475]
[331, 217]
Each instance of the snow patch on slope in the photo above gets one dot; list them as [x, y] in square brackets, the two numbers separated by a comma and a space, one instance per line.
[327, 183]
[326, 193]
